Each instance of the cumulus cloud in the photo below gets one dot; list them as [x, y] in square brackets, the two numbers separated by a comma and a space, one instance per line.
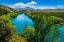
[32, 3]
[22, 5]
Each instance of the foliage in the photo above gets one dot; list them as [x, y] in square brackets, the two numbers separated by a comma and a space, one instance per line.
[4, 10]
[29, 33]
[56, 20]
[7, 29]
[5, 32]
[43, 27]
[53, 35]
[12, 14]
[43, 30]
[60, 13]
[18, 38]
[7, 19]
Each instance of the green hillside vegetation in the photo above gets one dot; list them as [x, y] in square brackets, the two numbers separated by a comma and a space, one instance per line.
[6, 9]
[57, 13]
[44, 27]
[18, 38]
[43, 30]
[7, 29]
[6, 19]
[7, 34]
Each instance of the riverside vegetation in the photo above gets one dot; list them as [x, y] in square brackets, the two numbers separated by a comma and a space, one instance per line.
[43, 30]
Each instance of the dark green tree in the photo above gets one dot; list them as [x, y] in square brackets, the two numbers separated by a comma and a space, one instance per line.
[43, 25]
[29, 32]
[6, 12]
[40, 21]
[6, 32]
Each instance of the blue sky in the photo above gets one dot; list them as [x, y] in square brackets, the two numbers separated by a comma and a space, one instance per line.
[34, 3]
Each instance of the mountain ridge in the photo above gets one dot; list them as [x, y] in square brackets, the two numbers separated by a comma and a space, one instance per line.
[26, 8]
[7, 9]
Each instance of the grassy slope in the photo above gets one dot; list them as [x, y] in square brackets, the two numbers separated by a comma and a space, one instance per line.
[17, 38]
[4, 8]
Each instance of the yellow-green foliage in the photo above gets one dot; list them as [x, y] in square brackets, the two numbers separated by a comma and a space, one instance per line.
[5, 32]
[7, 19]
[56, 20]
[5, 10]
[29, 32]
[17, 38]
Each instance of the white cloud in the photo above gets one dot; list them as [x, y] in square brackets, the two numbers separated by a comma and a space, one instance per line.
[51, 7]
[60, 6]
[20, 18]
[32, 3]
[22, 5]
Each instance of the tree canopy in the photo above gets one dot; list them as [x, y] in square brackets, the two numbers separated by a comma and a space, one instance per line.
[5, 32]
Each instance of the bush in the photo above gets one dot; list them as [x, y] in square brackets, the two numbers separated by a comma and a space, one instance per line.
[5, 32]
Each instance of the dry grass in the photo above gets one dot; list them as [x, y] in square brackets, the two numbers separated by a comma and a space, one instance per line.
[17, 38]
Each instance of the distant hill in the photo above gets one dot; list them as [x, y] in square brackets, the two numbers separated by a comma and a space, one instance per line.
[4, 9]
[26, 8]
[29, 8]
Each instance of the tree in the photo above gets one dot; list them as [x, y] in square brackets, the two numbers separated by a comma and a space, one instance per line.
[52, 32]
[56, 20]
[5, 32]
[43, 25]
[6, 12]
[29, 33]
[40, 21]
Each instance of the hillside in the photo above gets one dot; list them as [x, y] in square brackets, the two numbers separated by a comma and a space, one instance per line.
[6, 9]
[17, 38]
[26, 8]
[5, 14]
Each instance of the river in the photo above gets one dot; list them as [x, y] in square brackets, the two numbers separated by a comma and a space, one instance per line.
[21, 19]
